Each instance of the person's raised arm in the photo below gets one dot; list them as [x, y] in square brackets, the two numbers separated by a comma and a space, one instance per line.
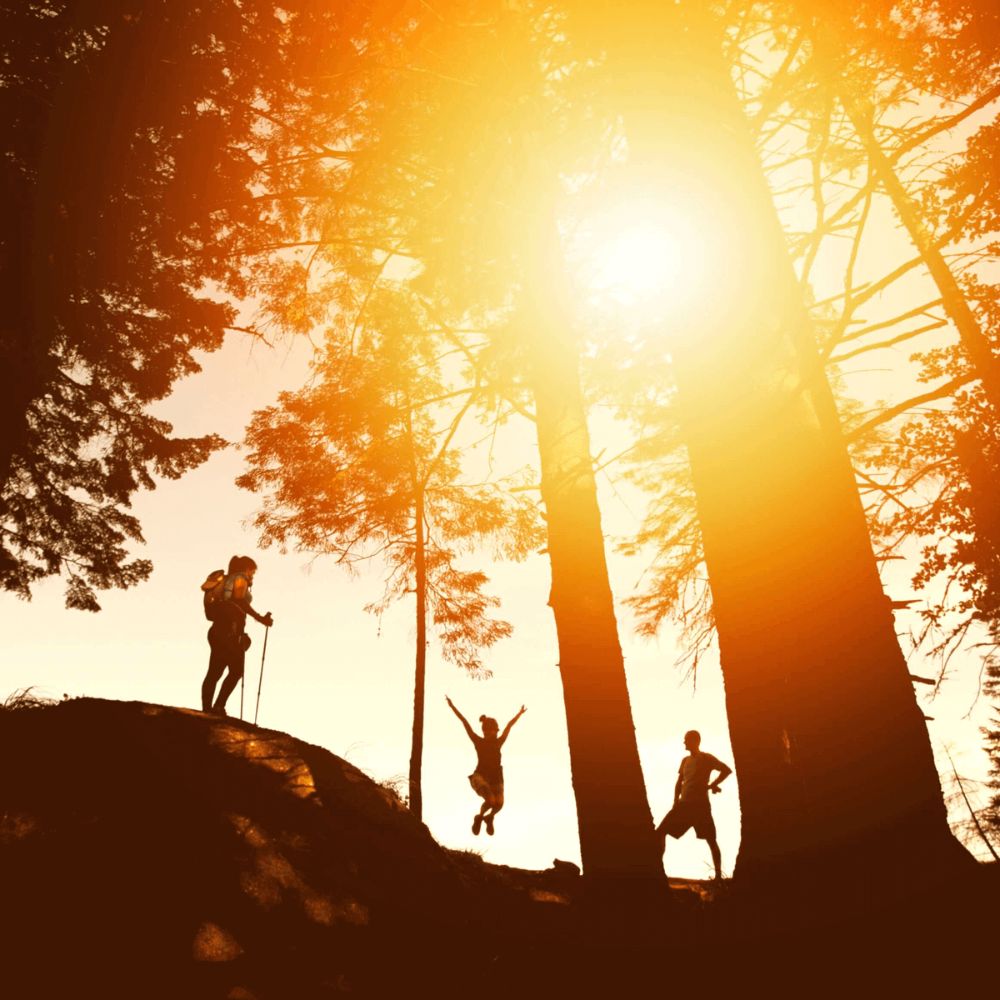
[724, 772]
[462, 719]
[509, 726]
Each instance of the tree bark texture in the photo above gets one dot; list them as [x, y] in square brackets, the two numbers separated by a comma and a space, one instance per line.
[831, 751]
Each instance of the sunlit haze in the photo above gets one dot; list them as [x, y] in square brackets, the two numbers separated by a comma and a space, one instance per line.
[644, 251]
[642, 261]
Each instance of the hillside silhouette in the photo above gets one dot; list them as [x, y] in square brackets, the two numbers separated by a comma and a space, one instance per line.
[160, 851]
[153, 851]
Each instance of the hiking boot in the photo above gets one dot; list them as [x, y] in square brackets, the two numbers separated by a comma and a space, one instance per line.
[477, 825]
[489, 825]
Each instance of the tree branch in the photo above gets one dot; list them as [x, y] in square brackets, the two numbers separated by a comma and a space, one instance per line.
[941, 392]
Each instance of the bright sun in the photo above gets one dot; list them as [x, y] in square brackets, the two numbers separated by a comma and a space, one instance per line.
[644, 252]
[642, 260]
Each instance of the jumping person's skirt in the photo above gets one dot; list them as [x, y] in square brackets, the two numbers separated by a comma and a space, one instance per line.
[487, 789]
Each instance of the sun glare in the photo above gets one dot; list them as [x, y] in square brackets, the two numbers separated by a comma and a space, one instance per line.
[642, 253]
[640, 262]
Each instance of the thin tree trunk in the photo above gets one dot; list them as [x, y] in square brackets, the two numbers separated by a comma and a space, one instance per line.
[15, 401]
[834, 763]
[972, 813]
[616, 830]
[420, 583]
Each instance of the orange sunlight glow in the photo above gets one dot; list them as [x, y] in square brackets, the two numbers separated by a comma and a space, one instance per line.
[639, 262]
[649, 254]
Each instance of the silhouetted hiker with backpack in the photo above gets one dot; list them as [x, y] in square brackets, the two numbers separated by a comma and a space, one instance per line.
[487, 779]
[227, 603]
[691, 805]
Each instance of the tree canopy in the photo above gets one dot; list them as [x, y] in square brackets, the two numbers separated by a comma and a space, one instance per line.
[134, 136]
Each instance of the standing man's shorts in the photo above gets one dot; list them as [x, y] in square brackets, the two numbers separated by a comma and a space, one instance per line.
[684, 815]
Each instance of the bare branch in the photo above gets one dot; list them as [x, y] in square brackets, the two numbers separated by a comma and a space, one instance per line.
[941, 392]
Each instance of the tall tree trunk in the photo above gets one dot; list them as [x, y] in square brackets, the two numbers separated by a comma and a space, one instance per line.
[420, 583]
[617, 842]
[832, 754]
[616, 830]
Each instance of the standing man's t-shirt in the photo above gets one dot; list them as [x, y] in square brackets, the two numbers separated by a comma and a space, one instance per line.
[694, 773]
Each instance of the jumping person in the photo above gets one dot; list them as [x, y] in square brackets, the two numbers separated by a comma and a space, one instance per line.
[691, 805]
[487, 779]
[227, 636]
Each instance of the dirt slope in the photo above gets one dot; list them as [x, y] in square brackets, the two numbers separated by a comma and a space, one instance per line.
[150, 849]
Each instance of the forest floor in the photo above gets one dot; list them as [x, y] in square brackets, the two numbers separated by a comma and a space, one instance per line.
[148, 851]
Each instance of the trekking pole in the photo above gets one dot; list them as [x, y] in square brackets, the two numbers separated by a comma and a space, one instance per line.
[243, 684]
[260, 683]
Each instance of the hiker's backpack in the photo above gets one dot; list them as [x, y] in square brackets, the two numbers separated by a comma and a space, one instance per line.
[214, 593]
